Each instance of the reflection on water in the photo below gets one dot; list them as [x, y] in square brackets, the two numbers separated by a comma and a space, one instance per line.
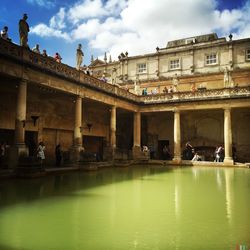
[229, 174]
[128, 208]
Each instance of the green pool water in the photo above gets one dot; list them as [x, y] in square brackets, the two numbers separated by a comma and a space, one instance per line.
[128, 208]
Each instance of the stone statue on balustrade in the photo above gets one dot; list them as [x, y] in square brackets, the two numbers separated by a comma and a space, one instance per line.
[79, 56]
[23, 31]
[114, 75]
[137, 89]
[175, 82]
[228, 81]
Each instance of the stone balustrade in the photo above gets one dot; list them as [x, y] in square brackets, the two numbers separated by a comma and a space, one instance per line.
[26, 56]
[197, 95]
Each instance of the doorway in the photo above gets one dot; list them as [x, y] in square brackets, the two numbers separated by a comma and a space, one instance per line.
[31, 141]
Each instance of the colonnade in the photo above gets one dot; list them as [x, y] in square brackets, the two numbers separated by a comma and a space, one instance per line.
[77, 141]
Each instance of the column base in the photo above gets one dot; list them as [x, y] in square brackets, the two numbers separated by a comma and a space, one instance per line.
[176, 160]
[75, 153]
[137, 154]
[109, 153]
[17, 153]
[228, 161]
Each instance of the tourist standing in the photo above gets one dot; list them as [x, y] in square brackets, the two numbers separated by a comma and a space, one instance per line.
[23, 31]
[166, 152]
[2, 153]
[58, 153]
[41, 153]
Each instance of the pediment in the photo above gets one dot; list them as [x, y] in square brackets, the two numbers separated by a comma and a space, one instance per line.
[97, 62]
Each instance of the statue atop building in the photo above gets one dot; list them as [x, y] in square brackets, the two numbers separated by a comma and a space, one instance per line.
[23, 31]
[79, 56]
[228, 81]
[175, 82]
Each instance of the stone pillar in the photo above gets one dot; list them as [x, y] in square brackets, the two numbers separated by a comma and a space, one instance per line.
[20, 149]
[228, 137]
[113, 132]
[21, 113]
[77, 147]
[177, 137]
[78, 123]
[137, 135]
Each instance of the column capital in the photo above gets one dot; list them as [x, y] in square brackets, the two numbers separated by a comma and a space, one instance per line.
[176, 110]
[23, 81]
[78, 97]
[228, 108]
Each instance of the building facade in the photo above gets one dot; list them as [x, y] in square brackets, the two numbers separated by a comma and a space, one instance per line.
[189, 62]
[209, 104]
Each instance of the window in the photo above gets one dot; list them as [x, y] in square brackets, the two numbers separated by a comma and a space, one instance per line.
[142, 68]
[175, 64]
[247, 54]
[211, 59]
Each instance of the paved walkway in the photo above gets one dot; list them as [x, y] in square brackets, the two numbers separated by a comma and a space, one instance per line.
[93, 166]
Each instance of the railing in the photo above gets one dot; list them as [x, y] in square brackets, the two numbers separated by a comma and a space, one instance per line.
[48, 63]
[197, 95]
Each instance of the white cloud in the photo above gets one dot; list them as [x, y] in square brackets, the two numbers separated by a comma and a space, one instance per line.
[86, 9]
[58, 21]
[87, 30]
[140, 26]
[43, 3]
[45, 31]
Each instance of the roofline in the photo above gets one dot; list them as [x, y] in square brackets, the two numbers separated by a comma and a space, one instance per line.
[185, 47]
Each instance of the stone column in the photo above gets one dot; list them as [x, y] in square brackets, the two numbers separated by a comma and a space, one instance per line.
[77, 148]
[19, 149]
[177, 137]
[228, 137]
[21, 114]
[137, 135]
[78, 123]
[113, 128]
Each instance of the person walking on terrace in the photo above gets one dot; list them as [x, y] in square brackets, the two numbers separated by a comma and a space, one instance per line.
[23, 31]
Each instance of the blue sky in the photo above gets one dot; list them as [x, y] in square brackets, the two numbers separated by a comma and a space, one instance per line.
[116, 26]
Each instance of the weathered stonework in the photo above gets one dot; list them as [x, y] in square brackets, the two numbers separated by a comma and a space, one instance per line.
[115, 123]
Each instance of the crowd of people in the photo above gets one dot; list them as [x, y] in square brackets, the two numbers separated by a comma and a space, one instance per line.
[190, 153]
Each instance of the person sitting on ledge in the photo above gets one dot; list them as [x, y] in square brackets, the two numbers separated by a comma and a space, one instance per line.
[58, 58]
[36, 49]
[44, 53]
[196, 157]
[4, 34]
